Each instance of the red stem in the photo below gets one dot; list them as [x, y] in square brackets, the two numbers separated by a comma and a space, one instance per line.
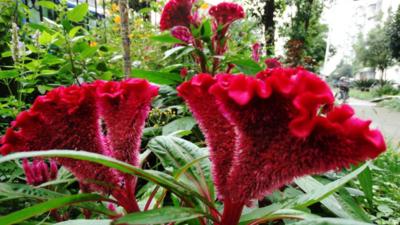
[232, 212]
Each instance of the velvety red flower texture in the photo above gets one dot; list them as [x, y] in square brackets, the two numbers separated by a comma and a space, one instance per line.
[176, 13]
[272, 63]
[38, 172]
[226, 13]
[101, 117]
[182, 33]
[274, 130]
[256, 52]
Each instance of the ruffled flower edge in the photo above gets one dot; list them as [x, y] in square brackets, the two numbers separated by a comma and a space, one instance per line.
[311, 99]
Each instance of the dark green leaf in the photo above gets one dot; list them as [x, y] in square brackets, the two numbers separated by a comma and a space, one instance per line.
[4, 74]
[157, 77]
[366, 182]
[177, 153]
[41, 208]
[160, 216]
[159, 178]
[206, 30]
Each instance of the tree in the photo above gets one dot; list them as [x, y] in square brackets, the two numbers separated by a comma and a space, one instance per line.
[393, 33]
[265, 12]
[126, 42]
[374, 51]
[306, 43]
[343, 69]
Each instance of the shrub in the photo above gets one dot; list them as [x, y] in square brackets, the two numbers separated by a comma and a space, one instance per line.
[364, 85]
[386, 89]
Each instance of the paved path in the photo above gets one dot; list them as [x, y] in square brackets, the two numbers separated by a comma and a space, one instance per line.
[386, 120]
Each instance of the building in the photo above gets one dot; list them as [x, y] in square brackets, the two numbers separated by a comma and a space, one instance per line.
[349, 18]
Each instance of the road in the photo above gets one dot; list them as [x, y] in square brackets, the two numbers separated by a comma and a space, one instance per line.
[386, 120]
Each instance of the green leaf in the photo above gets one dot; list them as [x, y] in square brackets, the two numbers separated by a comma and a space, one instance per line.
[47, 4]
[286, 214]
[320, 193]
[88, 52]
[74, 30]
[157, 77]
[352, 206]
[366, 182]
[41, 208]
[247, 66]
[185, 123]
[177, 153]
[330, 221]
[160, 216]
[43, 88]
[259, 213]
[50, 60]
[309, 184]
[45, 38]
[26, 191]
[159, 178]
[166, 38]
[6, 74]
[78, 13]
[206, 30]
[172, 51]
[85, 222]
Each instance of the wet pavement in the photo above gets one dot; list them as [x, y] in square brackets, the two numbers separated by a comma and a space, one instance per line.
[386, 120]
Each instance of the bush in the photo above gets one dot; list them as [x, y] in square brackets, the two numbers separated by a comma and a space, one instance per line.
[364, 85]
[386, 89]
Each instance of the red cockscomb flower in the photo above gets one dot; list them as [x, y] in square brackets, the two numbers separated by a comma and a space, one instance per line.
[256, 52]
[272, 63]
[38, 171]
[182, 33]
[102, 117]
[176, 13]
[226, 13]
[274, 131]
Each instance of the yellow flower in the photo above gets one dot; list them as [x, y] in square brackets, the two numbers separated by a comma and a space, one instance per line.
[114, 7]
[130, 36]
[204, 6]
[117, 19]
[92, 44]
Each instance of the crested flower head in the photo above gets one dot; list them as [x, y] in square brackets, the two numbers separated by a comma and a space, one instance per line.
[274, 130]
[182, 33]
[38, 171]
[101, 117]
[176, 13]
[256, 51]
[272, 63]
[226, 13]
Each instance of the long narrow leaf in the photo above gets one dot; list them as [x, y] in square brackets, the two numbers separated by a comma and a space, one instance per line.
[41, 208]
[85, 222]
[321, 193]
[159, 178]
[160, 216]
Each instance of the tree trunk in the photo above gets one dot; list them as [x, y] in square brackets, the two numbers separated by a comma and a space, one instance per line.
[126, 42]
[269, 26]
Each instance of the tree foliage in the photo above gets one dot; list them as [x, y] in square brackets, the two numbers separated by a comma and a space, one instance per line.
[307, 35]
[393, 32]
[374, 51]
